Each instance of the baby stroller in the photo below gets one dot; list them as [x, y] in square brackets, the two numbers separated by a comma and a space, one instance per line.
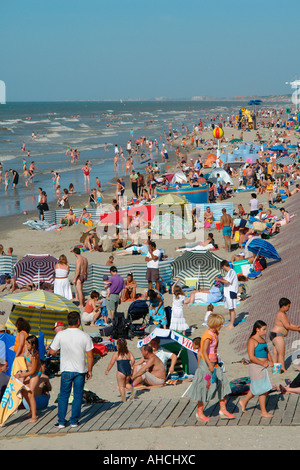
[138, 310]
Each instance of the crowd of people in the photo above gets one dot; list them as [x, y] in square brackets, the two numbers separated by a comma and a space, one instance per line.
[156, 364]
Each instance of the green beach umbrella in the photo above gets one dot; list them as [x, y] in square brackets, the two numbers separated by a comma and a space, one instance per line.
[203, 265]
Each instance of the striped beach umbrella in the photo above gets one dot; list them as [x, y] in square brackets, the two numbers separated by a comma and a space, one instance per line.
[203, 265]
[42, 309]
[34, 269]
[285, 161]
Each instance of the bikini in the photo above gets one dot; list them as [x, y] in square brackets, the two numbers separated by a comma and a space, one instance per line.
[35, 373]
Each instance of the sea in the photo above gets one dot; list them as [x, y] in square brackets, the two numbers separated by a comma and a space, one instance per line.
[89, 127]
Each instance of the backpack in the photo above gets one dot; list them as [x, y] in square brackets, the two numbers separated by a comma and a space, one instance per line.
[119, 329]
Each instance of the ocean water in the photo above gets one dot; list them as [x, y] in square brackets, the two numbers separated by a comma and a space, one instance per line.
[87, 127]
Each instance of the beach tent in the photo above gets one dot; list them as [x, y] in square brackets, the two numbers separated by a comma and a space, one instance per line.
[42, 309]
[176, 343]
[7, 352]
[223, 174]
[35, 269]
[179, 177]
[202, 265]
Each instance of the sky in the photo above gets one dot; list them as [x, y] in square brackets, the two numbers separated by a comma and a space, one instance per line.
[132, 49]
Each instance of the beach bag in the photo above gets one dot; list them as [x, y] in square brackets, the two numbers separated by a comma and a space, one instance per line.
[168, 311]
[259, 226]
[2, 278]
[240, 386]
[258, 266]
[100, 349]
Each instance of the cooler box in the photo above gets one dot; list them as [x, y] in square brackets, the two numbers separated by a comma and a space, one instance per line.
[191, 282]
[246, 269]
[218, 223]
[237, 265]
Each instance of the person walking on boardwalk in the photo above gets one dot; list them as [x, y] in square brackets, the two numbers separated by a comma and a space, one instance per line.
[260, 360]
[209, 379]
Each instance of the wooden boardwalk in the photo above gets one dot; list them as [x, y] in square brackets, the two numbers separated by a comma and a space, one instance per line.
[159, 413]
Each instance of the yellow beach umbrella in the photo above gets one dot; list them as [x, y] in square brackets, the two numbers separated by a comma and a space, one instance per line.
[169, 199]
[42, 309]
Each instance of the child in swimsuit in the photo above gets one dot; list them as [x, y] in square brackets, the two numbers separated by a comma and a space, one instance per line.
[125, 361]
[31, 376]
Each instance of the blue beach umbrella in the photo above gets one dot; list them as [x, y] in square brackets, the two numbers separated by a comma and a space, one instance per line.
[261, 247]
[278, 148]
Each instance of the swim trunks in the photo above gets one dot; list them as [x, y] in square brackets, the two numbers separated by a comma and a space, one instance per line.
[273, 335]
[226, 231]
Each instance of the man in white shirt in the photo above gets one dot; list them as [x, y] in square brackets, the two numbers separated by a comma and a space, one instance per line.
[231, 288]
[152, 258]
[253, 205]
[73, 344]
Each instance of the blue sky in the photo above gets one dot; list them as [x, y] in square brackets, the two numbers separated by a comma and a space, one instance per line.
[121, 49]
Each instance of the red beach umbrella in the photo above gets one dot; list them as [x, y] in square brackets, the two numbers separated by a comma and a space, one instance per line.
[35, 269]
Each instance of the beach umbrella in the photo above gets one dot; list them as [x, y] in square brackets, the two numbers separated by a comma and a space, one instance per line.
[169, 199]
[42, 309]
[285, 161]
[34, 269]
[278, 148]
[261, 247]
[176, 343]
[203, 265]
[232, 141]
[87, 232]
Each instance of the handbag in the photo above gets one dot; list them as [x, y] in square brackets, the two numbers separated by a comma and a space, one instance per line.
[233, 295]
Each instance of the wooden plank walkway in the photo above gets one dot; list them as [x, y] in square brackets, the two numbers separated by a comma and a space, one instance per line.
[139, 414]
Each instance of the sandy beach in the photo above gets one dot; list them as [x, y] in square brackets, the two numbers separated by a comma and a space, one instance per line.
[25, 240]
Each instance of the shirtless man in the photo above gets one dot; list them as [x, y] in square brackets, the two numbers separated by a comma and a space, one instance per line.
[227, 226]
[280, 330]
[149, 369]
[81, 275]
[85, 216]
[68, 219]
